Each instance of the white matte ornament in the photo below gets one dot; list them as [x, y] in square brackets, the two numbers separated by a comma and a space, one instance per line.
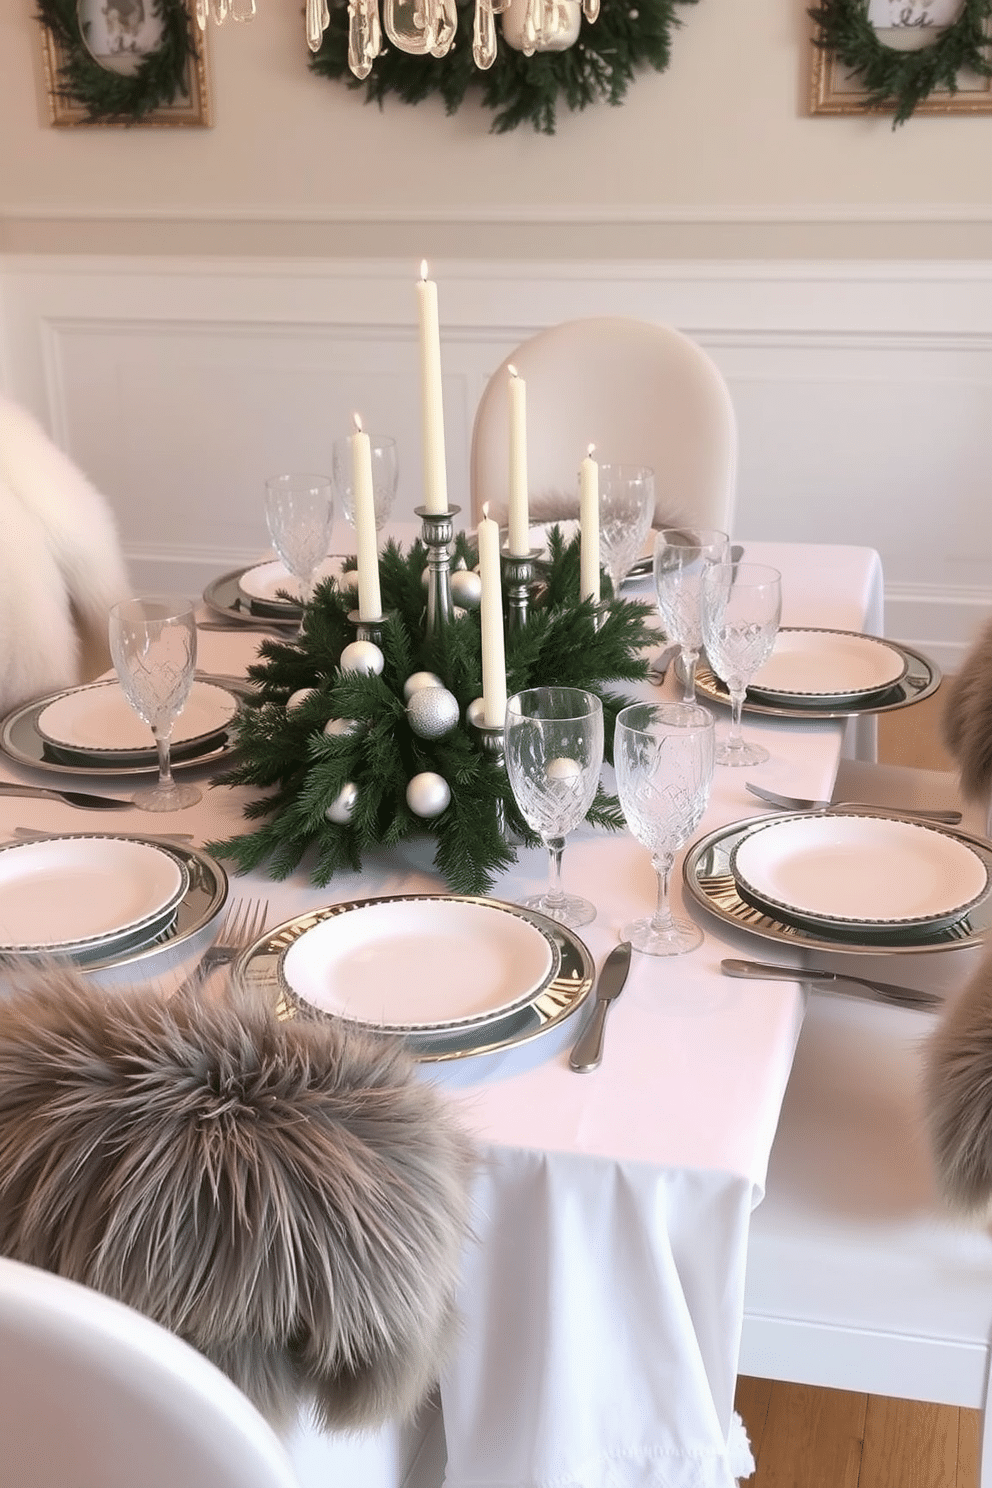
[466, 589]
[563, 768]
[433, 712]
[428, 794]
[342, 808]
[336, 728]
[417, 681]
[362, 656]
[298, 698]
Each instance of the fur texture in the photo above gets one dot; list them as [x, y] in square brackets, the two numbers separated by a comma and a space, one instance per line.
[958, 1096]
[288, 1197]
[62, 567]
[967, 719]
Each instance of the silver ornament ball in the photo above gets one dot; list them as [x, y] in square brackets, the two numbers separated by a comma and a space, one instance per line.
[336, 728]
[433, 712]
[419, 680]
[362, 656]
[466, 589]
[342, 808]
[428, 794]
[475, 713]
[298, 698]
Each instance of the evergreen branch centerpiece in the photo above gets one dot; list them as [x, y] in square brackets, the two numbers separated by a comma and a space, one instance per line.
[358, 745]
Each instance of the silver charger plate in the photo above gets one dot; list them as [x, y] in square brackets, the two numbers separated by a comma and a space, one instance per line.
[224, 597]
[709, 880]
[21, 741]
[205, 897]
[921, 678]
[549, 1006]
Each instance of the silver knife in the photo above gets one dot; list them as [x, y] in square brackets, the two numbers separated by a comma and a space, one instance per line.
[770, 972]
[588, 1049]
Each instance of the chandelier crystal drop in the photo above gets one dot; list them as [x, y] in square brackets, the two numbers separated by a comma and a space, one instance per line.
[427, 27]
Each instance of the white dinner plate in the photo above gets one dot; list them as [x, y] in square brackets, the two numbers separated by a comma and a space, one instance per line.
[827, 664]
[858, 871]
[66, 894]
[409, 966]
[97, 719]
[262, 584]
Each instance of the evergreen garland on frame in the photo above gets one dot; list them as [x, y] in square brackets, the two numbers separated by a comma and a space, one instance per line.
[112, 96]
[628, 35]
[904, 79]
[304, 770]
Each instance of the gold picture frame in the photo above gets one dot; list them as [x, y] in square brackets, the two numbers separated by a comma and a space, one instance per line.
[835, 90]
[82, 92]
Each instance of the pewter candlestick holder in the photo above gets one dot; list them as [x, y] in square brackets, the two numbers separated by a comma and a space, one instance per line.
[367, 630]
[491, 739]
[518, 575]
[438, 530]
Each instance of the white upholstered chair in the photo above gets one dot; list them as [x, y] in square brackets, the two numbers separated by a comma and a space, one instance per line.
[97, 1396]
[643, 394]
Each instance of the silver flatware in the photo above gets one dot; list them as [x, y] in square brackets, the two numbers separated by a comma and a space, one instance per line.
[588, 1049]
[283, 629]
[763, 971]
[243, 923]
[803, 803]
[84, 799]
[168, 839]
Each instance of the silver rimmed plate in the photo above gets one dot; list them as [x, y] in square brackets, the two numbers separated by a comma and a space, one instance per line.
[827, 667]
[21, 741]
[709, 880]
[921, 678]
[548, 1005]
[63, 896]
[97, 720]
[201, 902]
[841, 872]
[266, 583]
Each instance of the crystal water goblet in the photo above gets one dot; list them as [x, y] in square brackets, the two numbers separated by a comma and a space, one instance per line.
[681, 557]
[663, 755]
[626, 506]
[299, 511]
[742, 608]
[385, 476]
[553, 740]
[153, 646]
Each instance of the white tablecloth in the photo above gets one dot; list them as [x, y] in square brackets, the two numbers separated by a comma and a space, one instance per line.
[603, 1290]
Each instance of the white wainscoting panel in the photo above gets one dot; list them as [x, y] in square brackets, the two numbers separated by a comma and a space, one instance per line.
[863, 394]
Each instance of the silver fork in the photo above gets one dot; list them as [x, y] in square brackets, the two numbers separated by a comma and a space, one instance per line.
[243, 923]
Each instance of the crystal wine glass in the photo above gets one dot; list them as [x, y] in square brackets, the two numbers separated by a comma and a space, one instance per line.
[385, 474]
[681, 555]
[663, 755]
[626, 506]
[554, 750]
[742, 607]
[299, 510]
[153, 645]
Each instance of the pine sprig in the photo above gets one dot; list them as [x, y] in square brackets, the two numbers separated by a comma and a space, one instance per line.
[519, 90]
[898, 79]
[302, 770]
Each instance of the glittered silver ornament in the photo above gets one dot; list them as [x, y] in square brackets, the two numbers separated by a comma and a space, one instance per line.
[466, 589]
[418, 680]
[362, 656]
[428, 794]
[296, 699]
[433, 712]
[342, 808]
[336, 728]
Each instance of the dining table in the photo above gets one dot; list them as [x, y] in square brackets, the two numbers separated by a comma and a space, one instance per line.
[601, 1295]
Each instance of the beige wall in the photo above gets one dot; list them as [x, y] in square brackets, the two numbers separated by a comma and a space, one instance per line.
[715, 157]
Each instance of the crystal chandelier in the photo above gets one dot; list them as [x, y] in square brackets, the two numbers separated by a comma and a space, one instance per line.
[427, 27]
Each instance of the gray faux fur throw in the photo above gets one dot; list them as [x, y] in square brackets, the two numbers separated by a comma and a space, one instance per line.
[287, 1197]
[967, 719]
[958, 1096]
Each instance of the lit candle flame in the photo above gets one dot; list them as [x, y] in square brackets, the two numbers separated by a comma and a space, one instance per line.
[423, 269]
[589, 451]
[358, 422]
[512, 370]
[485, 511]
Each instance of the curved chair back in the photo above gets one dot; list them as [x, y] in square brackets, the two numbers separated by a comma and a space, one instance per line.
[643, 394]
[98, 1396]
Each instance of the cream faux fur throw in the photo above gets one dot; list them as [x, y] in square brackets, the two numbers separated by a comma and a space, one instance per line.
[957, 1062]
[967, 719]
[288, 1197]
[61, 567]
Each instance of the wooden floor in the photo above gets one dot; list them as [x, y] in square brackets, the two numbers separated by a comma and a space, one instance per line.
[808, 1438]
